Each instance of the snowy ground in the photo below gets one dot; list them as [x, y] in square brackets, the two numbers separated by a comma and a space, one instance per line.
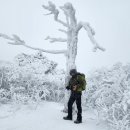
[47, 116]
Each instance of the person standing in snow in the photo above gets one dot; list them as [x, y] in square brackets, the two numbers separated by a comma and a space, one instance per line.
[77, 84]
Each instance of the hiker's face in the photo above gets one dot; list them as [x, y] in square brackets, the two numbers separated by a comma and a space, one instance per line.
[72, 73]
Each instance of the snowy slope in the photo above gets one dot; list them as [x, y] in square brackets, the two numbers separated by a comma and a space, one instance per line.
[47, 116]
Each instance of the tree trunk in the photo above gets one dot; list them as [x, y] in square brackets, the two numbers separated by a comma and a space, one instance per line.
[70, 62]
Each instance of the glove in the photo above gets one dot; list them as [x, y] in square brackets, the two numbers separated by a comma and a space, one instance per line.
[68, 87]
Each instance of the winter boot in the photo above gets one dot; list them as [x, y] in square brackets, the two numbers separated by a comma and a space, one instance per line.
[77, 121]
[67, 118]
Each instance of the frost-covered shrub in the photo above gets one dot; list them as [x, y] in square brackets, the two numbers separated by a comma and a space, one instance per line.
[109, 94]
[31, 78]
[5, 95]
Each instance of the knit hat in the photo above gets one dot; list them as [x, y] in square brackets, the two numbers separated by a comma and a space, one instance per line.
[73, 71]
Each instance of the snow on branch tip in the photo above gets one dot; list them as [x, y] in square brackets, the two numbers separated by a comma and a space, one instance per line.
[52, 40]
[15, 40]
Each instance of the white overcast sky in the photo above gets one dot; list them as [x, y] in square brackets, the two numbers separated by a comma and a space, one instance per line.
[109, 18]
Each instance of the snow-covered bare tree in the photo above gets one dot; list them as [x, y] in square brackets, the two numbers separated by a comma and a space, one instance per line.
[72, 29]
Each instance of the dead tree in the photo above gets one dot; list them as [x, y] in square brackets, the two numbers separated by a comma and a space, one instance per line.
[72, 30]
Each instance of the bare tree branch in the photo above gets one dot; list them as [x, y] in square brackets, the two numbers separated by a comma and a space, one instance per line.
[60, 21]
[14, 41]
[64, 31]
[48, 13]
[47, 51]
[17, 41]
[91, 34]
[67, 20]
[69, 12]
[6, 36]
[56, 39]
[52, 8]
[66, 15]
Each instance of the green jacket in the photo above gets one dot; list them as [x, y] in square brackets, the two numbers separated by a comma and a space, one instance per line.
[79, 80]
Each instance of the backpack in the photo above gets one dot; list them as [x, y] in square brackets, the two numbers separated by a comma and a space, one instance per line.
[82, 80]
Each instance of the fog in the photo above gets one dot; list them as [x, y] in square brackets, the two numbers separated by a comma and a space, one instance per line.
[109, 18]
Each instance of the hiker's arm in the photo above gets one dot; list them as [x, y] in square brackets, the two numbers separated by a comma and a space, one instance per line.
[68, 87]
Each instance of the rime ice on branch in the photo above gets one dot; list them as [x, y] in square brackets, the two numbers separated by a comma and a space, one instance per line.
[15, 40]
[72, 29]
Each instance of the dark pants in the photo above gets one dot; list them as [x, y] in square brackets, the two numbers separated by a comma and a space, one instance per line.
[75, 96]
